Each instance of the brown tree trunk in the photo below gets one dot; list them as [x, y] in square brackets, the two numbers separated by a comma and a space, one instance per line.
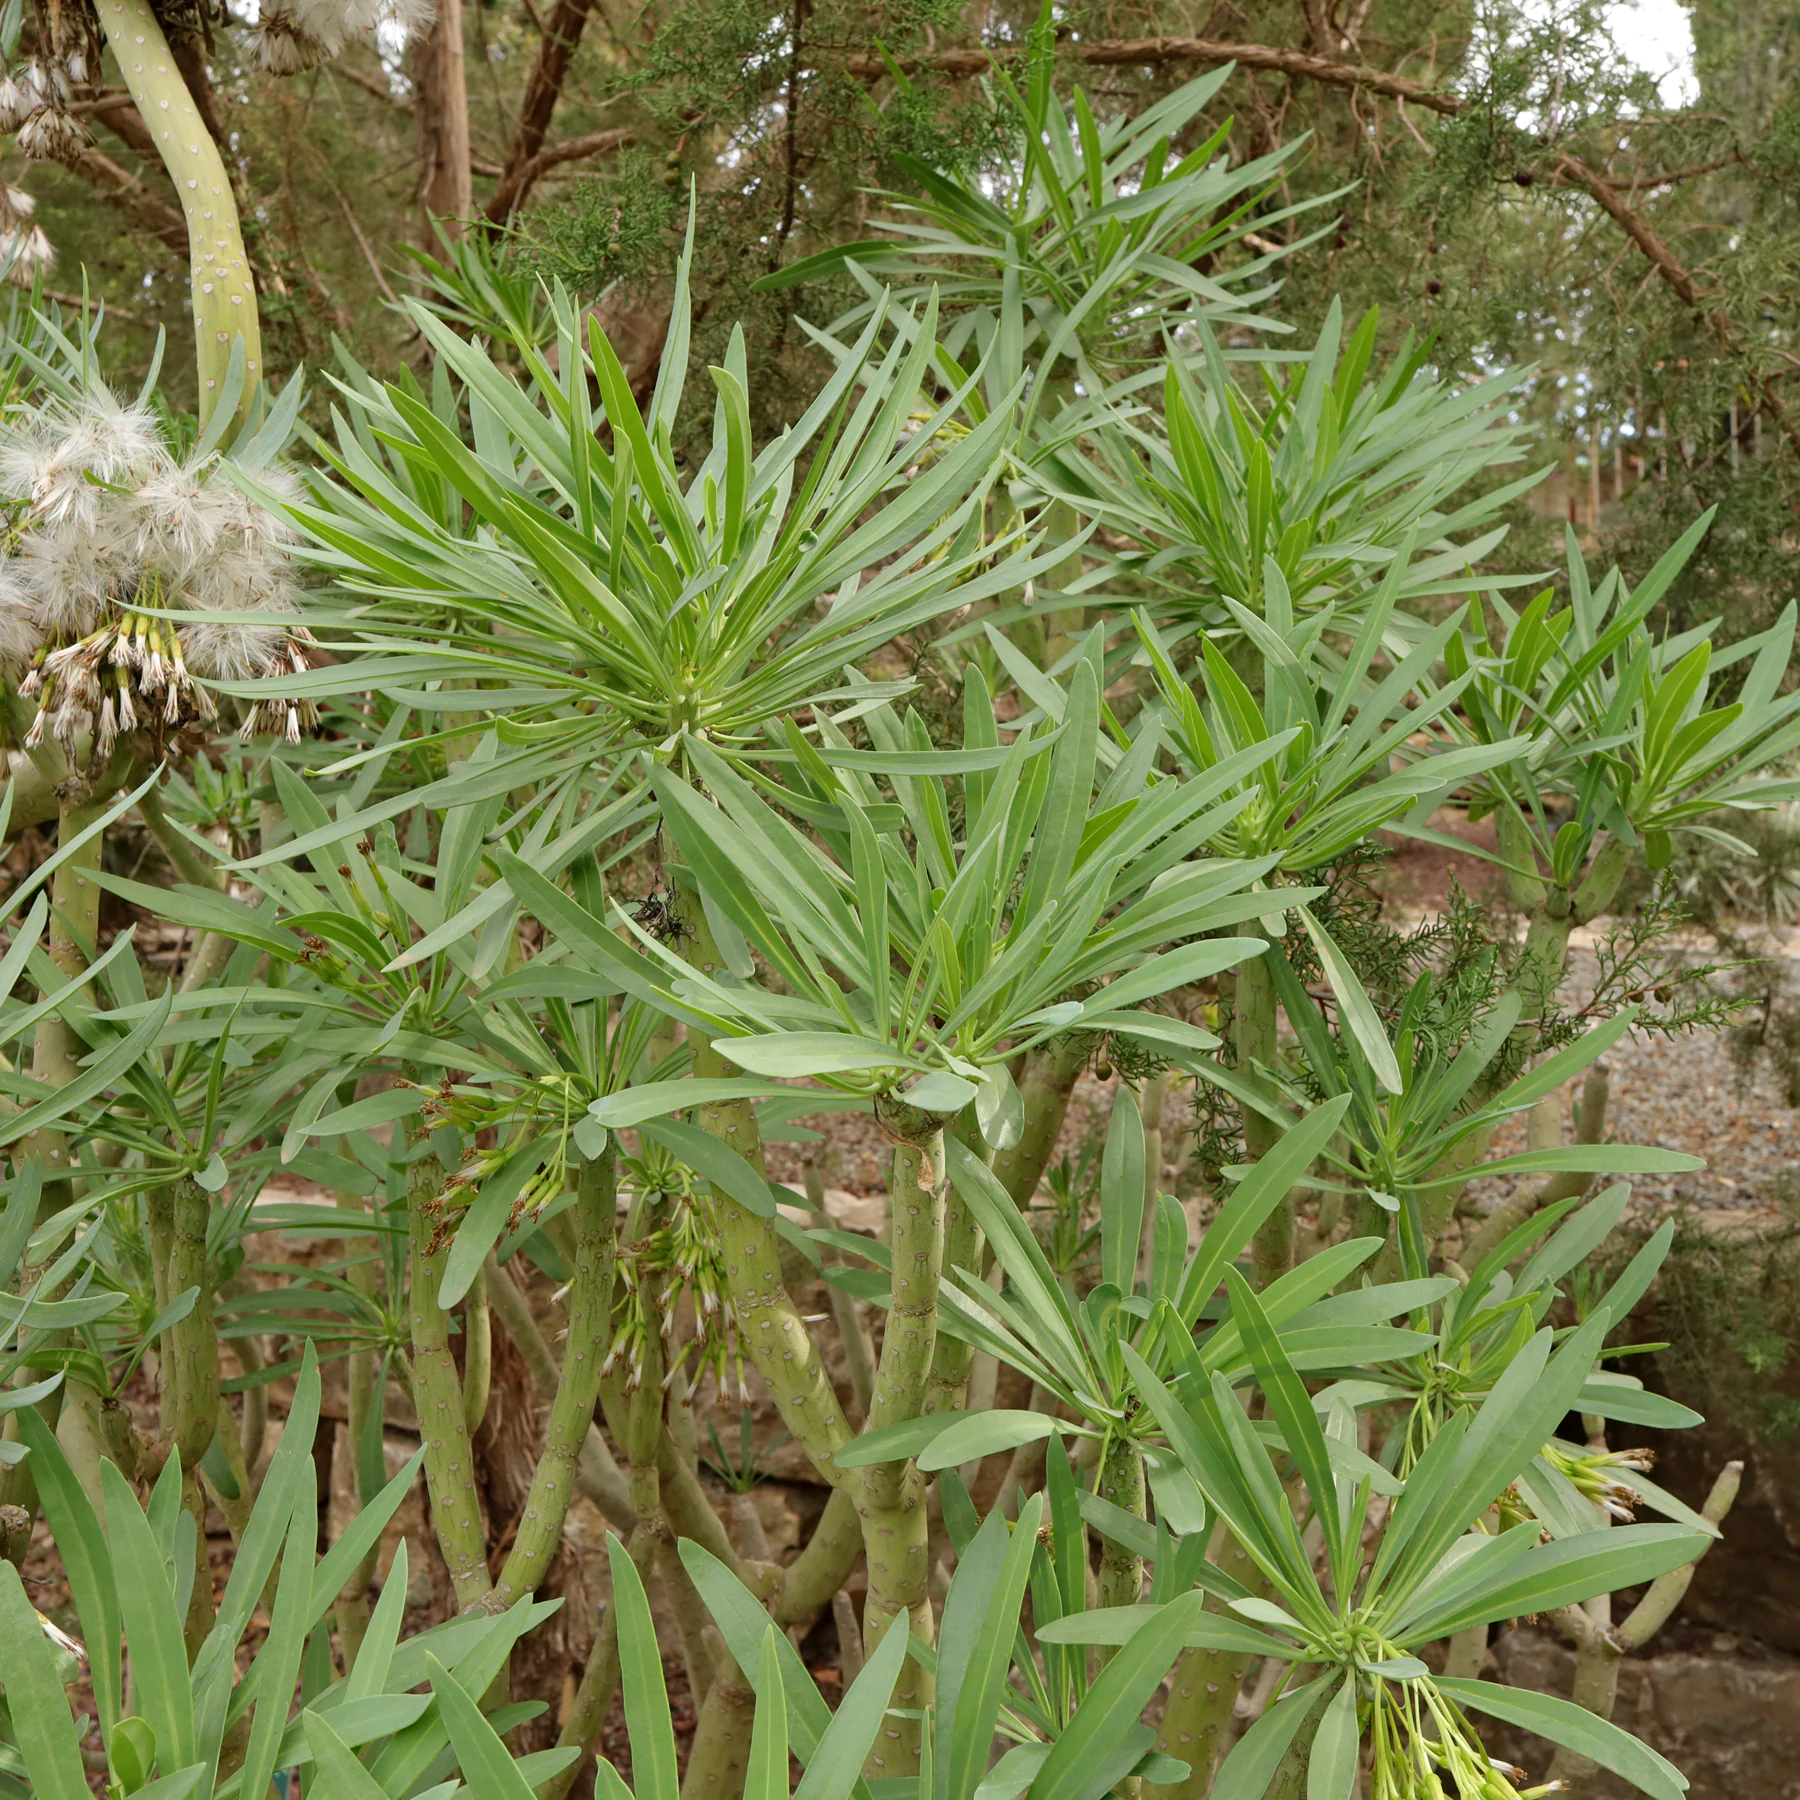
[562, 33]
[446, 180]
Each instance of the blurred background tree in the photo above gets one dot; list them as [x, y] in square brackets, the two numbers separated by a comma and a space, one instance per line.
[1603, 191]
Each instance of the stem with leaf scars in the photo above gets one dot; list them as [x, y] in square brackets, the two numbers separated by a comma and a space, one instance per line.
[438, 1394]
[770, 1327]
[814, 1577]
[1599, 1648]
[1122, 1482]
[896, 1538]
[952, 1360]
[189, 1349]
[224, 295]
[478, 1353]
[722, 1736]
[596, 1474]
[578, 1385]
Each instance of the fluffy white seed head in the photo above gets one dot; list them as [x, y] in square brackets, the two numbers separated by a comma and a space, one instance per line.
[20, 637]
[112, 531]
[282, 48]
[179, 519]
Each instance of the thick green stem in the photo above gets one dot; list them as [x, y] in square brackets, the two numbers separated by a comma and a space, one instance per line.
[660, 1485]
[478, 1353]
[1205, 1689]
[224, 294]
[720, 1756]
[947, 1386]
[578, 1386]
[1122, 1482]
[819, 1571]
[78, 1432]
[769, 1323]
[438, 1398]
[596, 1474]
[189, 1349]
[1045, 1085]
[1253, 1046]
[188, 1362]
[690, 1616]
[896, 1534]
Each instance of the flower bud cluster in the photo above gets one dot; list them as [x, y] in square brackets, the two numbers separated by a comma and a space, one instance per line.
[1424, 1748]
[682, 1253]
[1590, 1473]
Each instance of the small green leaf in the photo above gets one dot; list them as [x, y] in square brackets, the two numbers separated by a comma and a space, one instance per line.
[1575, 1728]
[940, 1092]
[1331, 1770]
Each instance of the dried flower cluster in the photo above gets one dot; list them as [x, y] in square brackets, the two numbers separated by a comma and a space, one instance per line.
[105, 530]
[293, 35]
[24, 249]
[34, 102]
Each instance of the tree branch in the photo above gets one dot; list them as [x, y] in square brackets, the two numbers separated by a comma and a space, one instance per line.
[134, 199]
[1671, 177]
[1680, 281]
[594, 143]
[1150, 51]
[556, 50]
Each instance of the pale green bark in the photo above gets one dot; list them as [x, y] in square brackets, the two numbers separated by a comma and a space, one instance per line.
[578, 1386]
[220, 284]
[438, 1400]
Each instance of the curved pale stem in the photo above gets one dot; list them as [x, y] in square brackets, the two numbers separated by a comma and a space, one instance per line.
[223, 292]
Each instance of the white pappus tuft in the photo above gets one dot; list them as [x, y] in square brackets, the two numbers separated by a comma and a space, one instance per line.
[109, 531]
[295, 35]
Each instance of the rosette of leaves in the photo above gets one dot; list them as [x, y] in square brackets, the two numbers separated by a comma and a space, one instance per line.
[1481, 1323]
[1635, 737]
[596, 602]
[914, 967]
[1360, 1620]
[1083, 251]
[1419, 1124]
[1314, 481]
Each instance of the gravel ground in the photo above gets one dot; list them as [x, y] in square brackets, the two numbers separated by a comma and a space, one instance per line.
[1681, 1093]
[1686, 1094]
